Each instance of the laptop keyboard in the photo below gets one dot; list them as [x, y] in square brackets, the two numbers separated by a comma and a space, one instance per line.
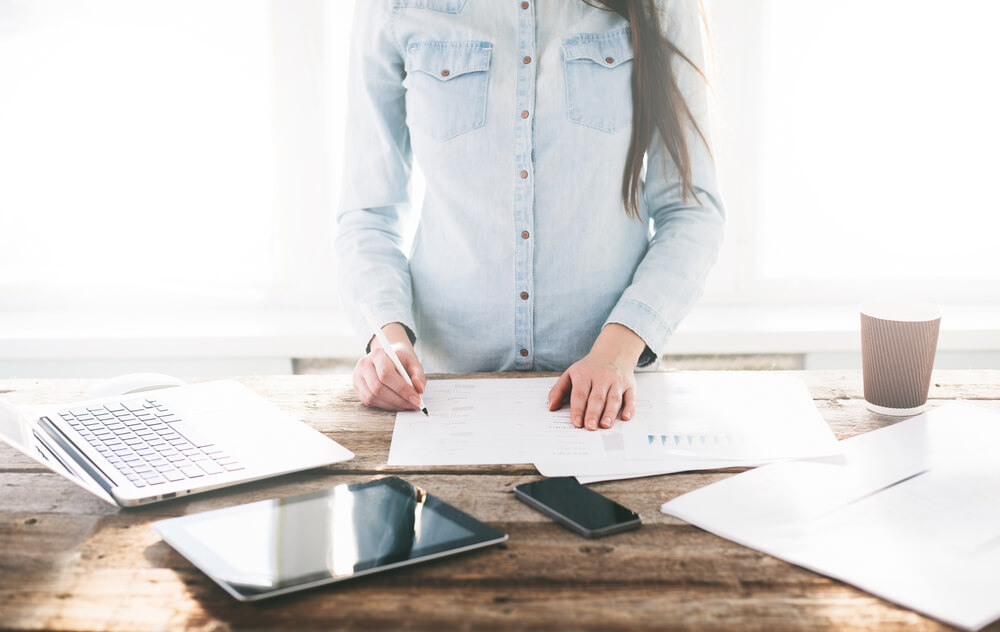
[148, 443]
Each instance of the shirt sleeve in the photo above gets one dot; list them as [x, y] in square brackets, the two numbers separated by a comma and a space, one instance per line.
[371, 265]
[687, 235]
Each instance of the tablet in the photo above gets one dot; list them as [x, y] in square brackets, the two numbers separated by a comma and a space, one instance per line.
[278, 546]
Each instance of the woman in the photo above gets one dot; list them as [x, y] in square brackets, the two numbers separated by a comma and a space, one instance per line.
[530, 120]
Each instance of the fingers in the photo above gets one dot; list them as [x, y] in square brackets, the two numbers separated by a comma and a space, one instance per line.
[559, 391]
[595, 406]
[628, 408]
[612, 405]
[373, 392]
[388, 384]
[578, 401]
[415, 369]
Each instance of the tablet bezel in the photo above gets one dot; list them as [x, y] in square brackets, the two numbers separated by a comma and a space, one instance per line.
[173, 531]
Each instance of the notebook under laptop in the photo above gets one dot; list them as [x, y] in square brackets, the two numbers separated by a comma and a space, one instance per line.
[157, 445]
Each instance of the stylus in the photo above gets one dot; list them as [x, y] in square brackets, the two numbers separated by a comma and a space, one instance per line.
[387, 347]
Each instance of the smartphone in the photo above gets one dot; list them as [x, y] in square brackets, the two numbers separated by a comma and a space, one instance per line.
[581, 509]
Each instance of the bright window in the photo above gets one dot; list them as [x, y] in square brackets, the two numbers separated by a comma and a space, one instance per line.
[137, 144]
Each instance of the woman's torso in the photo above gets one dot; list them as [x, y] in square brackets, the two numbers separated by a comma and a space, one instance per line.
[513, 272]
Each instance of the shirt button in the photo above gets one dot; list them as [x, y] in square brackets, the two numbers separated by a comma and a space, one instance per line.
[527, 60]
[524, 234]
[524, 353]
[610, 60]
[524, 114]
[524, 296]
[524, 5]
[445, 73]
[524, 174]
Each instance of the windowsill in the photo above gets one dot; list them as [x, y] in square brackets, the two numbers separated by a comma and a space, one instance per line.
[279, 335]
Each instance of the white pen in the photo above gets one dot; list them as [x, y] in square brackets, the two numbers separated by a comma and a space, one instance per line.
[387, 347]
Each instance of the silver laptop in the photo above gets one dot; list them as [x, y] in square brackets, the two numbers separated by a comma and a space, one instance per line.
[157, 445]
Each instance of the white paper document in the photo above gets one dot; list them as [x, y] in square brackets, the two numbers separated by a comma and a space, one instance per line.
[912, 514]
[683, 420]
[706, 420]
[489, 422]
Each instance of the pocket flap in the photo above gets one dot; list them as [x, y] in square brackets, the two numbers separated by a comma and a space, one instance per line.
[607, 49]
[447, 60]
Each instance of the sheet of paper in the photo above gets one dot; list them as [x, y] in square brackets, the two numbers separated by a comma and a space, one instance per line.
[708, 420]
[721, 420]
[489, 422]
[912, 514]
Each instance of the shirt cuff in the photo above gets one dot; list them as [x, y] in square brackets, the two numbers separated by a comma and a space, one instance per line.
[647, 323]
[385, 313]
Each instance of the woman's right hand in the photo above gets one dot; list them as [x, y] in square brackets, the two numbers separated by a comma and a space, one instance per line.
[379, 384]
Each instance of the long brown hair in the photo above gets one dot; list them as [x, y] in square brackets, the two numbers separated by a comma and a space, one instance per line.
[656, 98]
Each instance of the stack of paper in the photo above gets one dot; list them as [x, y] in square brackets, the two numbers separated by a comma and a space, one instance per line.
[912, 514]
[683, 421]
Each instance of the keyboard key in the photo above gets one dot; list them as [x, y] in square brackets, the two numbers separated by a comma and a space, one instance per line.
[191, 471]
[146, 452]
[156, 462]
[212, 450]
[168, 418]
[209, 467]
[173, 475]
[155, 481]
[198, 457]
[191, 433]
[165, 467]
[135, 407]
[176, 457]
[226, 461]
[232, 467]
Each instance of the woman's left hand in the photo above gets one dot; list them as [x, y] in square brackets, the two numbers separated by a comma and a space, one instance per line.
[601, 386]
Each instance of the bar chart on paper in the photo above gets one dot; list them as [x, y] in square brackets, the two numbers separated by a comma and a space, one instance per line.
[727, 416]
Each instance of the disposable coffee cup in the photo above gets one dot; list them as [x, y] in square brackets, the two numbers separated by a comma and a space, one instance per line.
[898, 343]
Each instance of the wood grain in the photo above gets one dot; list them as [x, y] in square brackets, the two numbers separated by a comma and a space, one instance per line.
[69, 561]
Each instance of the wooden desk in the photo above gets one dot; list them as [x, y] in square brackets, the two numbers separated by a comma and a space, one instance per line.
[70, 561]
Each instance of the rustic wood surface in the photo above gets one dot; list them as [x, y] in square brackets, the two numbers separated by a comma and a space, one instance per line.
[69, 561]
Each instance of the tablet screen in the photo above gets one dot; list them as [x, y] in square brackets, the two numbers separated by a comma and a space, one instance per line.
[277, 546]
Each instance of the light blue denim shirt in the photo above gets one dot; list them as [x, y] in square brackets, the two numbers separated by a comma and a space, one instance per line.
[519, 115]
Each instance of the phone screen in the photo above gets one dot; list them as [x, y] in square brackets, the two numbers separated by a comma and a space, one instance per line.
[577, 506]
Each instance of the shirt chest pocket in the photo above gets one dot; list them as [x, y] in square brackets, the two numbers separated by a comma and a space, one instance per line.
[446, 85]
[599, 79]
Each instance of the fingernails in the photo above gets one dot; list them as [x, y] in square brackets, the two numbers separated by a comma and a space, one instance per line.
[577, 422]
[592, 424]
[626, 415]
[606, 422]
